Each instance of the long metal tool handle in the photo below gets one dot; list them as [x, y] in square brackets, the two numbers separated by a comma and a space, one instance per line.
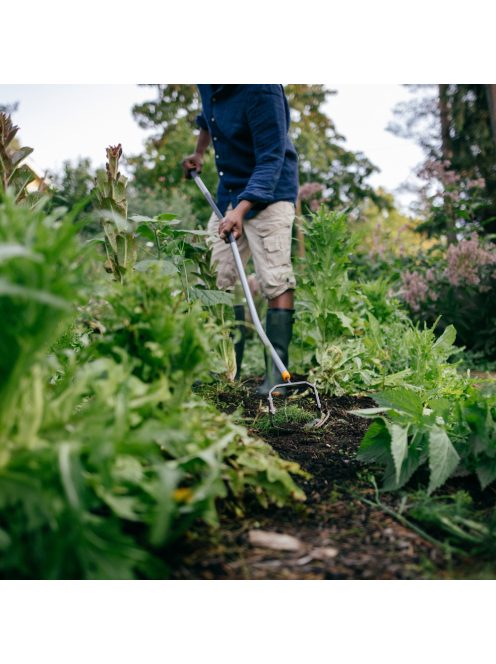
[244, 282]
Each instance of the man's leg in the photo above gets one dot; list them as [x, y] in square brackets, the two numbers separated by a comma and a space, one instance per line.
[269, 237]
[283, 301]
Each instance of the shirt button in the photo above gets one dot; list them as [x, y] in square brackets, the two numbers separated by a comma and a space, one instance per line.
[213, 119]
[214, 99]
[216, 156]
[215, 138]
[221, 173]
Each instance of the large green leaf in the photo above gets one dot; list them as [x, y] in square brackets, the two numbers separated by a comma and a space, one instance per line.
[401, 399]
[210, 298]
[376, 444]
[415, 456]
[443, 458]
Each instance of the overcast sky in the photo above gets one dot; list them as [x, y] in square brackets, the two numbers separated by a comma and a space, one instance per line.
[67, 121]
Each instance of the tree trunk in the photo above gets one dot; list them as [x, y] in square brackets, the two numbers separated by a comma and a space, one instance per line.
[491, 102]
[445, 122]
[447, 154]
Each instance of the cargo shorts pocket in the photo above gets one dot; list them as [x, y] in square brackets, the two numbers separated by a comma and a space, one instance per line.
[275, 251]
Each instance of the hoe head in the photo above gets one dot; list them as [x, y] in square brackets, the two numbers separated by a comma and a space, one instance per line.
[298, 385]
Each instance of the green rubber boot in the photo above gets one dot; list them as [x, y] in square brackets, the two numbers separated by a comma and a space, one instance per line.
[279, 328]
[239, 346]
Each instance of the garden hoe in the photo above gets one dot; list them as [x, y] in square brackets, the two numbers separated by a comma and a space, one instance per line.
[288, 383]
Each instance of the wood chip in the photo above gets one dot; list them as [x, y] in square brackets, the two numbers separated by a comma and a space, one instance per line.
[324, 553]
[275, 541]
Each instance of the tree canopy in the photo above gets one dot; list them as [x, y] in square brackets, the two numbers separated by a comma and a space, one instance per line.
[322, 155]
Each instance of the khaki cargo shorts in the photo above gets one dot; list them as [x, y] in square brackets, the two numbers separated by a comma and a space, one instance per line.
[267, 237]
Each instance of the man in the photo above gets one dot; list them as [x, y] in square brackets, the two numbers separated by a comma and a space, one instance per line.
[258, 186]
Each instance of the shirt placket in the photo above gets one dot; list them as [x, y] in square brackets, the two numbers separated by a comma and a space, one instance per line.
[215, 138]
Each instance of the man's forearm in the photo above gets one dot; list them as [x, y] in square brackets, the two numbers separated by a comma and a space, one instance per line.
[203, 142]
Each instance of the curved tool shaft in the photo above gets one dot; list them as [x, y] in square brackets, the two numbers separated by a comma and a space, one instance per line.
[244, 282]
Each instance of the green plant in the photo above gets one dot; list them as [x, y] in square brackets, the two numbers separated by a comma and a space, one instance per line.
[457, 519]
[163, 332]
[100, 471]
[41, 274]
[455, 433]
[325, 294]
[173, 250]
[111, 199]
[286, 415]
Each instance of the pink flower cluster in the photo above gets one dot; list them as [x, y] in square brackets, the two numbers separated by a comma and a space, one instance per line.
[416, 288]
[465, 261]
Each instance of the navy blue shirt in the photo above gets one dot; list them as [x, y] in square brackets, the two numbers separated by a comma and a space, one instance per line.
[256, 161]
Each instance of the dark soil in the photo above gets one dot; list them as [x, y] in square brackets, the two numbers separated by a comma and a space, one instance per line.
[341, 536]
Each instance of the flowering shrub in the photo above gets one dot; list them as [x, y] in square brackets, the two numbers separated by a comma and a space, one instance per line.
[467, 262]
[459, 285]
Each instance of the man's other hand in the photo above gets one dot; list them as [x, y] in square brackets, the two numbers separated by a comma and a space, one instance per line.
[193, 161]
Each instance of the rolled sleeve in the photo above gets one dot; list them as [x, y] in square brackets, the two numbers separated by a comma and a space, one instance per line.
[201, 122]
[267, 120]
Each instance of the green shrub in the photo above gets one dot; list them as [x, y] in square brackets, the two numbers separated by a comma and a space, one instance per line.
[41, 268]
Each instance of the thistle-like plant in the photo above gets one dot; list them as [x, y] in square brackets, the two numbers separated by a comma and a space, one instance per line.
[111, 198]
[15, 175]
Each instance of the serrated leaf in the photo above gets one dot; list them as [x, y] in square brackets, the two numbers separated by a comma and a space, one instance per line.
[399, 446]
[443, 458]
[211, 298]
[402, 400]
[414, 458]
[376, 444]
